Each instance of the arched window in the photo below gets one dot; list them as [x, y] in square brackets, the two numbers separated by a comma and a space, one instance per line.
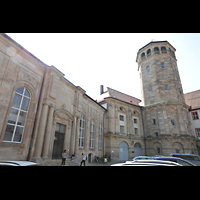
[163, 49]
[156, 50]
[143, 56]
[92, 134]
[18, 115]
[100, 136]
[148, 52]
[81, 131]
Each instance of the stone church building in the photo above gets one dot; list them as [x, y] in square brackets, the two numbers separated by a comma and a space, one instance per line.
[43, 113]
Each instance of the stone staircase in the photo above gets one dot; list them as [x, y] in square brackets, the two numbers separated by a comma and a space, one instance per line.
[68, 162]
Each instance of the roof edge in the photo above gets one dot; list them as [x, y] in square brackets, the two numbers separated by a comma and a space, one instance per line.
[21, 47]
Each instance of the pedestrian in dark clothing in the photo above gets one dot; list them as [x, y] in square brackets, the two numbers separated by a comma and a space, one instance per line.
[83, 159]
[64, 155]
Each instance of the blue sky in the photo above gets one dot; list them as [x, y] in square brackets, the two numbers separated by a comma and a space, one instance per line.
[89, 60]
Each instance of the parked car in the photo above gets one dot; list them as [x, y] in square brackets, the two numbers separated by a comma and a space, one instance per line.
[147, 163]
[180, 161]
[195, 159]
[17, 163]
[142, 158]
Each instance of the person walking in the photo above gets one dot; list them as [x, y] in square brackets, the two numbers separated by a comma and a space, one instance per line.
[83, 159]
[64, 155]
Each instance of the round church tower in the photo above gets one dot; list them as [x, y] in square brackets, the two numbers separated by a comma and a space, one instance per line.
[166, 118]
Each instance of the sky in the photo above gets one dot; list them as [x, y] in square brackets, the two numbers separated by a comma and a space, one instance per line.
[89, 60]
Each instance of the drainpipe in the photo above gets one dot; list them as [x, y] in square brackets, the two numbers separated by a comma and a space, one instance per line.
[142, 108]
[103, 132]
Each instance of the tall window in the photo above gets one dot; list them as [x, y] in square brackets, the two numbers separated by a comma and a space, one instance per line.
[81, 131]
[92, 134]
[121, 129]
[100, 136]
[197, 132]
[195, 115]
[136, 131]
[17, 117]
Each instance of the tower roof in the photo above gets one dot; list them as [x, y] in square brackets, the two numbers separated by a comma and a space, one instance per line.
[159, 43]
[152, 43]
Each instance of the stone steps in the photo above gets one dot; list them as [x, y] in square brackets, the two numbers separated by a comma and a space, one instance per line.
[68, 162]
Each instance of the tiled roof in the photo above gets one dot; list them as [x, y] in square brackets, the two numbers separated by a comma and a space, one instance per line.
[124, 97]
[193, 99]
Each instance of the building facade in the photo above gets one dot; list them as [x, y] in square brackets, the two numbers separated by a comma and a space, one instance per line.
[123, 127]
[43, 113]
[193, 100]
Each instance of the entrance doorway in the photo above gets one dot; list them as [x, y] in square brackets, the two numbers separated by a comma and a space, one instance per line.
[90, 157]
[58, 141]
[137, 149]
[123, 151]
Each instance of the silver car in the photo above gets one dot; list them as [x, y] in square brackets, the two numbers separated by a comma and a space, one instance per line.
[18, 163]
[147, 163]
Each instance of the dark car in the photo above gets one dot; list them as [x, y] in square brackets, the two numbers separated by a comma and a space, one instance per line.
[176, 159]
[195, 159]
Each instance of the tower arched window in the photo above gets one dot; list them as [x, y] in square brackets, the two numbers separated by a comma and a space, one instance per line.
[163, 49]
[148, 52]
[18, 114]
[143, 56]
[156, 50]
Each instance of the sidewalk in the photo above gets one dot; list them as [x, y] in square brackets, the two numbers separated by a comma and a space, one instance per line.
[104, 164]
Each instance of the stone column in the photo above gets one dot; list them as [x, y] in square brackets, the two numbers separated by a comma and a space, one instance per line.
[41, 131]
[48, 132]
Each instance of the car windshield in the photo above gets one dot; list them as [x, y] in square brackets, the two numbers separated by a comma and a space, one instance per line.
[188, 157]
[183, 163]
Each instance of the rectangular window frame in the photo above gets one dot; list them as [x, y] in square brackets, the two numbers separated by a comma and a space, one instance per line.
[195, 117]
[19, 110]
[121, 118]
[121, 129]
[81, 132]
[136, 131]
[197, 130]
[92, 134]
